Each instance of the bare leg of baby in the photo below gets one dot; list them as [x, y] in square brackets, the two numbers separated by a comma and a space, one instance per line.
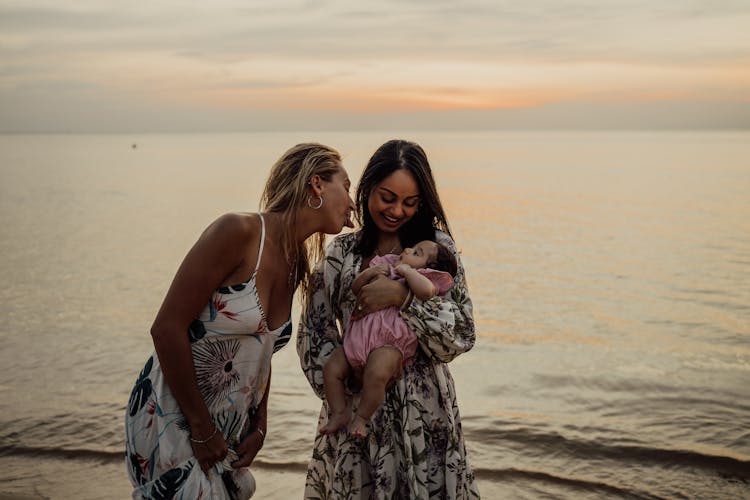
[383, 364]
[335, 371]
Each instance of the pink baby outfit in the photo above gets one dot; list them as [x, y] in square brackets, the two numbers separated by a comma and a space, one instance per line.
[386, 327]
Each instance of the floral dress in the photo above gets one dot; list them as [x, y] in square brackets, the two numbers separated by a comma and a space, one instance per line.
[232, 348]
[415, 446]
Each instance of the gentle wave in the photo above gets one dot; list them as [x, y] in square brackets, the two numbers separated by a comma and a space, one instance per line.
[609, 490]
[117, 456]
[727, 466]
[68, 454]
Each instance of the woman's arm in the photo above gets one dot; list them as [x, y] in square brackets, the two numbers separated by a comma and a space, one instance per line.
[380, 293]
[444, 325]
[253, 442]
[217, 253]
[368, 275]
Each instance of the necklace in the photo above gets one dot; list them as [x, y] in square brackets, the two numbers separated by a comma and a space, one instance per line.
[377, 250]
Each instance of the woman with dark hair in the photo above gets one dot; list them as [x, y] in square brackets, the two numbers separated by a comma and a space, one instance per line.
[197, 414]
[414, 446]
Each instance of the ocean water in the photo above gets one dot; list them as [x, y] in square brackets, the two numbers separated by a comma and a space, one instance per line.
[610, 274]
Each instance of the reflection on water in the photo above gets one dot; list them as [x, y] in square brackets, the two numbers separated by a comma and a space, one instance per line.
[609, 273]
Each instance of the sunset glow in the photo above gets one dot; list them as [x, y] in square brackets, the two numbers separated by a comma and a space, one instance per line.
[334, 59]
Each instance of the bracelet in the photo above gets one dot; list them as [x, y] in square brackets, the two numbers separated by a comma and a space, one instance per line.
[204, 441]
[407, 301]
[262, 434]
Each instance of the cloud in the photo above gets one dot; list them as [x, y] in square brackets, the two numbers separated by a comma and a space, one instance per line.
[366, 57]
[541, 30]
[53, 19]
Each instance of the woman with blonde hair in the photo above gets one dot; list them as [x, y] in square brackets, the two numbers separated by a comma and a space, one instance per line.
[196, 417]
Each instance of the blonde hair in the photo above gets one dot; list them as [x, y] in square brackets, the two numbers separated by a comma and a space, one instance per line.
[286, 194]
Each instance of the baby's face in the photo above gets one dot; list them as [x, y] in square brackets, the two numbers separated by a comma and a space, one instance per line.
[419, 255]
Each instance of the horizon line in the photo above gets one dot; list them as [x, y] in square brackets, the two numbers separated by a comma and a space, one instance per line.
[382, 129]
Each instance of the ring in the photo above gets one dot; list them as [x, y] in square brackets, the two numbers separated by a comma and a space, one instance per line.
[359, 307]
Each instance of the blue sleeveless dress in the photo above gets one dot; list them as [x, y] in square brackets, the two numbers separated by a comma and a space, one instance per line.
[232, 347]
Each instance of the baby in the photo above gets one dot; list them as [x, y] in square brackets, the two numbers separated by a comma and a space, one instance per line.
[377, 346]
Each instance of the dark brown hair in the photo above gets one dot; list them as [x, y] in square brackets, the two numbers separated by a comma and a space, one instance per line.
[444, 260]
[395, 155]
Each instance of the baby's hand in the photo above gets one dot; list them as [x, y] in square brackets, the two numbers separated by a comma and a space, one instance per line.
[402, 269]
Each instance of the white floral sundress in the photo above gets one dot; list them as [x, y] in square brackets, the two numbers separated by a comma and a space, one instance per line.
[232, 347]
[415, 446]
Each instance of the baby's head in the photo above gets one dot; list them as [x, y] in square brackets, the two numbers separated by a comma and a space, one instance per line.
[430, 254]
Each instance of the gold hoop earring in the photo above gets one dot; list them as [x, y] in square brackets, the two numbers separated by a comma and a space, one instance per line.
[319, 204]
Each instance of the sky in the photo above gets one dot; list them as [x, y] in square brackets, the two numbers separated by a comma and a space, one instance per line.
[225, 65]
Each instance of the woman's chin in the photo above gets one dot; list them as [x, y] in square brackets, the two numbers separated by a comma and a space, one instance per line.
[386, 226]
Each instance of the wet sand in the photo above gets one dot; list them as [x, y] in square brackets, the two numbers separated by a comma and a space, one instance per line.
[94, 480]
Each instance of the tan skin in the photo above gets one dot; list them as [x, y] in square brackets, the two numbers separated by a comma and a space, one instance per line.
[226, 254]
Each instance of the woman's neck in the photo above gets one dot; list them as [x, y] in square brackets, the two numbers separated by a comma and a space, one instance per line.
[389, 243]
[304, 227]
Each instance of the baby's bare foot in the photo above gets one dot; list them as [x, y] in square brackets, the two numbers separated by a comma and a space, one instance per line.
[358, 427]
[336, 421]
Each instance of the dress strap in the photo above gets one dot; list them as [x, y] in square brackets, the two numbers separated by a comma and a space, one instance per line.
[262, 240]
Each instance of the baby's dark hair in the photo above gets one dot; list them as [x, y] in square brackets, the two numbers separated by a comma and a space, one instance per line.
[445, 260]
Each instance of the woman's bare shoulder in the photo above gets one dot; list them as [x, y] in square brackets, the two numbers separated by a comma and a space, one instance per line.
[235, 224]
[232, 233]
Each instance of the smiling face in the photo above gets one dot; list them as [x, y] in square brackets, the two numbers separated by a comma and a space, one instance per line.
[420, 255]
[394, 201]
[338, 204]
